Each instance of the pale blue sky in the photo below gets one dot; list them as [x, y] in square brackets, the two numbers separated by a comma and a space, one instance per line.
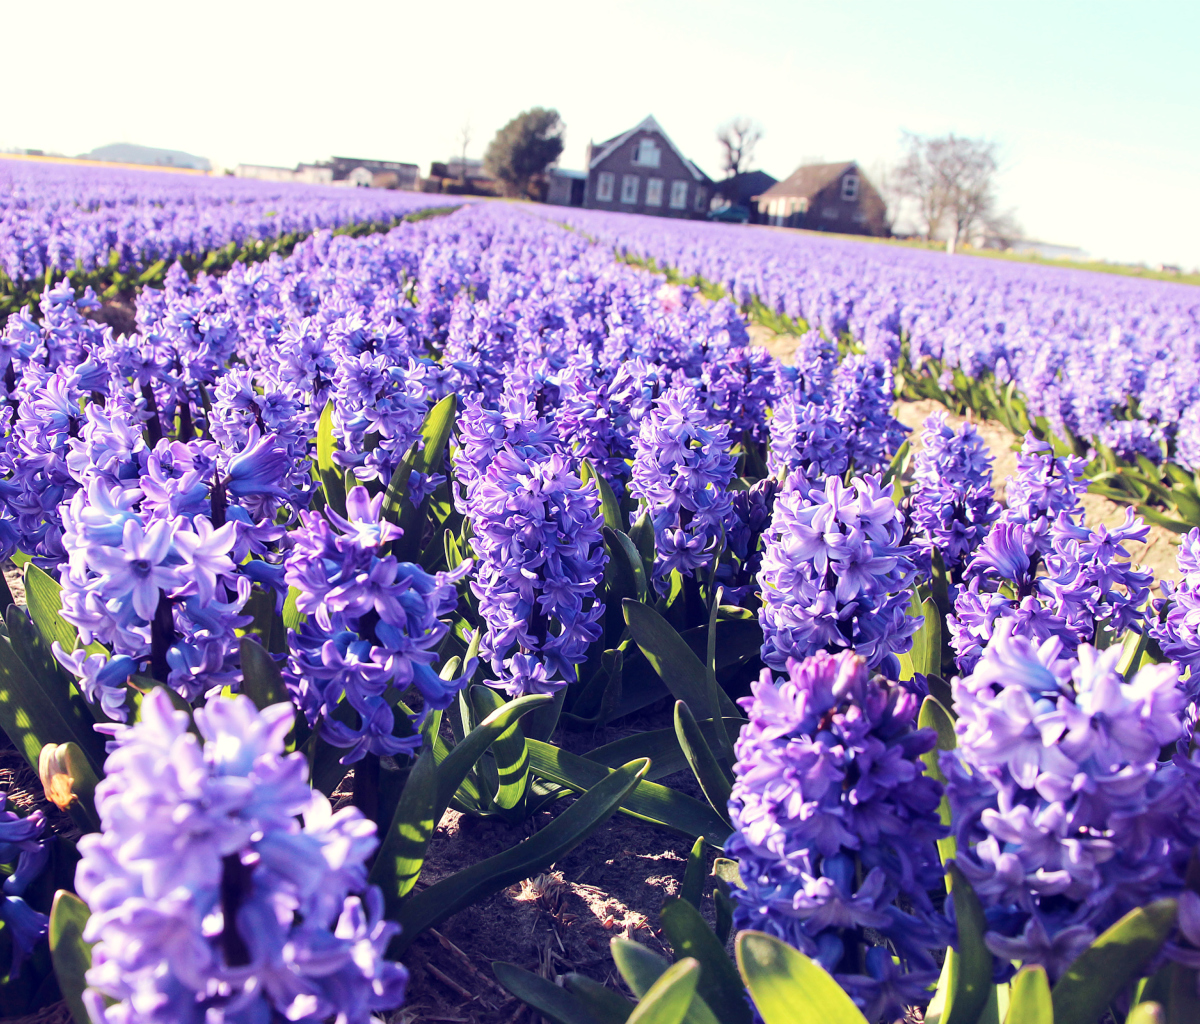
[1096, 105]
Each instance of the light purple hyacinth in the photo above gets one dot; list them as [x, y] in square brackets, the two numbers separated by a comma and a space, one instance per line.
[373, 627]
[1064, 817]
[953, 503]
[681, 474]
[836, 574]
[834, 819]
[540, 561]
[221, 886]
[1070, 582]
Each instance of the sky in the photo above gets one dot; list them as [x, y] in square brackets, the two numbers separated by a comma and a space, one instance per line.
[1095, 107]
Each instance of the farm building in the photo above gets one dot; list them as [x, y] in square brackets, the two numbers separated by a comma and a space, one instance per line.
[825, 197]
[643, 171]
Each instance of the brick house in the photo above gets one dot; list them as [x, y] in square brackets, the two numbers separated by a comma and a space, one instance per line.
[642, 171]
[825, 197]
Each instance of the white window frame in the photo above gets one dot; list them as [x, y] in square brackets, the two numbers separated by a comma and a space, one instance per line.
[647, 153]
[654, 191]
[701, 195]
[850, 188]
[631, 184]
[679, 195]
[605, 181]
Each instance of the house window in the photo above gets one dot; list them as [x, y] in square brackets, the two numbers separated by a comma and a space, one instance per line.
[647, 154]
[829, 213]
[679, 195]
[850, 187]
[654, 191]
[701, 194]
[629, 188]
[604, 186]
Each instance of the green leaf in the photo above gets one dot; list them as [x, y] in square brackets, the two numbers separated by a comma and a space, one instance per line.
[293, 618]
[625, 576]
[722, 915]
[72, 957]
[789, 988]
[641, 968]
[43, 596]
[557, 1004]
[674, 661]
[613, 1007]
[660, 745]
[669, 997]
[714, 691]
[694, 874]
[608, 501]
[1098, 974]
[402, 854]
[512, 756]
[262, 680]
[1029, 1001]
[719, 985]
[462, 757]
[973, 986]
[331, 478]
[934, 716]
[32, 715]
[435, 432]
[926, 651]
[702, 761]
[659, 805]
[896, 467]
[433, 905]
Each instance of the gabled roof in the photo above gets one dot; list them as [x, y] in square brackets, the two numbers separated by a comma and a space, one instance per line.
[805, 182]
[605, 149]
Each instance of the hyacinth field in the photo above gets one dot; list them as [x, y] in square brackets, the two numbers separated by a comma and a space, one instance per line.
[491, 519]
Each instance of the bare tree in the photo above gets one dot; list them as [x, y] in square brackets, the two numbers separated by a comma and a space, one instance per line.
[738, 137]
[952, 181]
[464, 140]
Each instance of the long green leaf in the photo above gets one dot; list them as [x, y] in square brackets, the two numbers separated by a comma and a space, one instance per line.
[973, 985]
[433, 905]
[669, 997]
[31, 716]
[43, 596]
[660, 745]
[675, 662]
[609, 506]
[1083, 993]
[72, 957]
[402, 854]
[720, 986]
[659, 805]
[934, 716]
[262, 680]
[1029, 1001]
[512, 756]
[624, 576]
[331, 478]
[1146, 1013]
[435, 432]
[703, 762]
[613, 1007]
[926, 651]
[462, 757]
[642, 967]
[789, 988]
[552, 1002]
[694, 874]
